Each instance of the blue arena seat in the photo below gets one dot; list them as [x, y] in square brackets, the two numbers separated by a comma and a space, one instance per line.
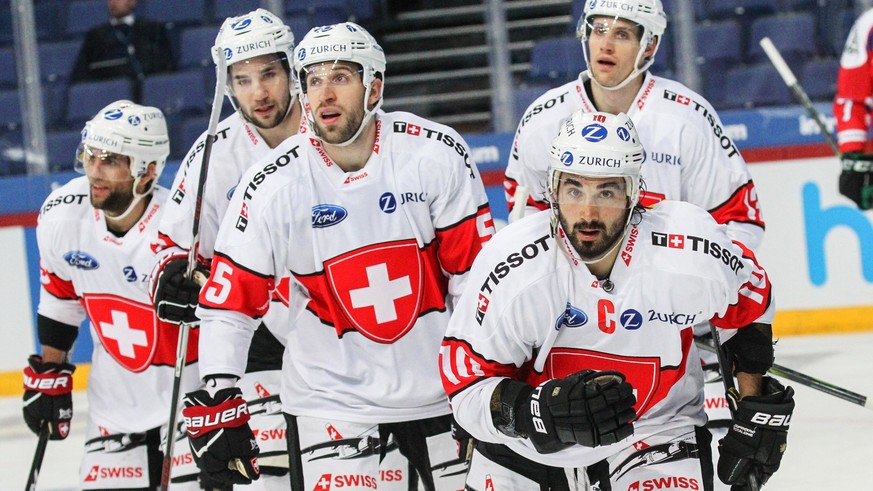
[61, 149]
[56, 60]
[793, 35]
[10, 110]
[300, 25]
[223, 9]
[175, 13]
[755, 86]
[192, 128]
[8, 75]
[179, 93]
[719, 9]
[819, 79]
[86, 98]
[82, 15]
[524, 97]
[556, 61]
[196, 45]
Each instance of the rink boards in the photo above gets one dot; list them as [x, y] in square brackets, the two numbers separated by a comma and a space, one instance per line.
[818, 247]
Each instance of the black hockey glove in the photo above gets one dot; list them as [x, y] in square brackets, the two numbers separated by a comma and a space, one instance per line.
[758, 435]
[176, 296]
[221, 440]
[856, 179]
[588, 408]
[47, 396]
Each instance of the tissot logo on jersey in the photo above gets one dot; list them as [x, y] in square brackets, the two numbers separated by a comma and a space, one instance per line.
[415, 130]
[542, 107]
[67, 199]
[698, 244]
[514, 260]
[717, 129]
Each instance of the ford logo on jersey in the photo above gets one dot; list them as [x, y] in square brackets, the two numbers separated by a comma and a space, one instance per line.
[81, 260]
[567, 158]
[327, 215]
[572, 317]
[112, 114]
[594, 133]
[230, 192]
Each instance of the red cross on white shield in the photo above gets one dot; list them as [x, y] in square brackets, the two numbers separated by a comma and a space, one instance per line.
[127, 329]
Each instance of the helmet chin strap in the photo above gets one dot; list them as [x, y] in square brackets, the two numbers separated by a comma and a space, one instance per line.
[556, 224]
[637, 71]
[136, 199]
[368, 114]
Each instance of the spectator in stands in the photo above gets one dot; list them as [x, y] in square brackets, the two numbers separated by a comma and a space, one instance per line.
[689, 156]
[852, 108]
[126, 46]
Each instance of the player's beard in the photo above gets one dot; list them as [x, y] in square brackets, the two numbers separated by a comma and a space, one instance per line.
[116, 203]
[593, 250]
[342, 133]
[275, 120]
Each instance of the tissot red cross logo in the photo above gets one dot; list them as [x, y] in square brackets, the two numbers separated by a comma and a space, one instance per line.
[127, 329]
[379, 288]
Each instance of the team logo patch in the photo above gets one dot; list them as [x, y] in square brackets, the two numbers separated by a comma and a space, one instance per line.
[81, 260]
[572, 317]
[388, 203]
[379, 288]
[594, 132]
[127, 330]
[129, 274]
[327, 215]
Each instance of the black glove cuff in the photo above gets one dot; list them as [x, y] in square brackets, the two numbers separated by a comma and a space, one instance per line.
[752, 348]
[506, 400]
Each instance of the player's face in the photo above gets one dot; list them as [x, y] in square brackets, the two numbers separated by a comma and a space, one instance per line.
[260, 85]
[592, 212]
[110, 179]
[336, 95]
[613, 45]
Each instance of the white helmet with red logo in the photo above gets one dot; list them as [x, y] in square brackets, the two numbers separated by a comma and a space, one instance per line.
[648, 14]
[346, 41]
[251, 35]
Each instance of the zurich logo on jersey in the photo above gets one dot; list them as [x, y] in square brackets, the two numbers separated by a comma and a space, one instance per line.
[572, 317]
[81, 260]
[388, 203]
[594, 132]
[327, 215]
[129, 274]
[623, 133]
[631, 319]
[134, 120]
[241, 24]
[112, 114]
[567, 158]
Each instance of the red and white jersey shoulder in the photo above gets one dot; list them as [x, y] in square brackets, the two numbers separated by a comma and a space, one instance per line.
[532, 311]
[86, 270]
[237, 146]
[689, 157]
[854, 100]
[380, 255]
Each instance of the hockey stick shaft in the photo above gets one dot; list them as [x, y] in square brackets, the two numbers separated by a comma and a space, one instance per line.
[38, 455]
[184, 328]
[812, 382]
[791, 81]
[520, 205]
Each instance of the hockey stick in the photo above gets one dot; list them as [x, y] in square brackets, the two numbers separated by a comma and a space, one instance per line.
[728, 380]
[520, 205]
[184, 328]
[37, 458]
[792, 83]
[811, 382]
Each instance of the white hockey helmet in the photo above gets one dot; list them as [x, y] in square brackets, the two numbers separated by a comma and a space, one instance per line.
[251, 35]
[648, 14]
[129, 129]
[345, 41]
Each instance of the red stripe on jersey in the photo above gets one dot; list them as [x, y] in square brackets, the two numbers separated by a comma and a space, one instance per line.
[460, 243]
[233, 287]
[651, 381]
[62, 289]
[650, 199]
[510, 186]
[163, 242]
[854, 86]
[742, 206]
[282, 293]
[461, 366]
[754, 297]
[168, 337]
[379, 290]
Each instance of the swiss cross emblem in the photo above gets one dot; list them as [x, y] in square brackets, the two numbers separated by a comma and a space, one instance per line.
[379, 288]
[128, 330]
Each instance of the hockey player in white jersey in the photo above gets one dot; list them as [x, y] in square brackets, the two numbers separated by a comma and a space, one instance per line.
[94, 235]
[689, 155]
[378, 217]
[258, 48]
[571, 356]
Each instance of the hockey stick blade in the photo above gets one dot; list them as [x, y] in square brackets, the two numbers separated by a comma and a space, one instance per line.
[38, 455]
[791, 81]
[184, 328]
[811, 382]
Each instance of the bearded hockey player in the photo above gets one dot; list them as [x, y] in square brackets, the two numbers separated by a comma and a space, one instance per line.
[575, 337]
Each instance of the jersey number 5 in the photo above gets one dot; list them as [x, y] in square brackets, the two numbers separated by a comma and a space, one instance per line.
[219, 284]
